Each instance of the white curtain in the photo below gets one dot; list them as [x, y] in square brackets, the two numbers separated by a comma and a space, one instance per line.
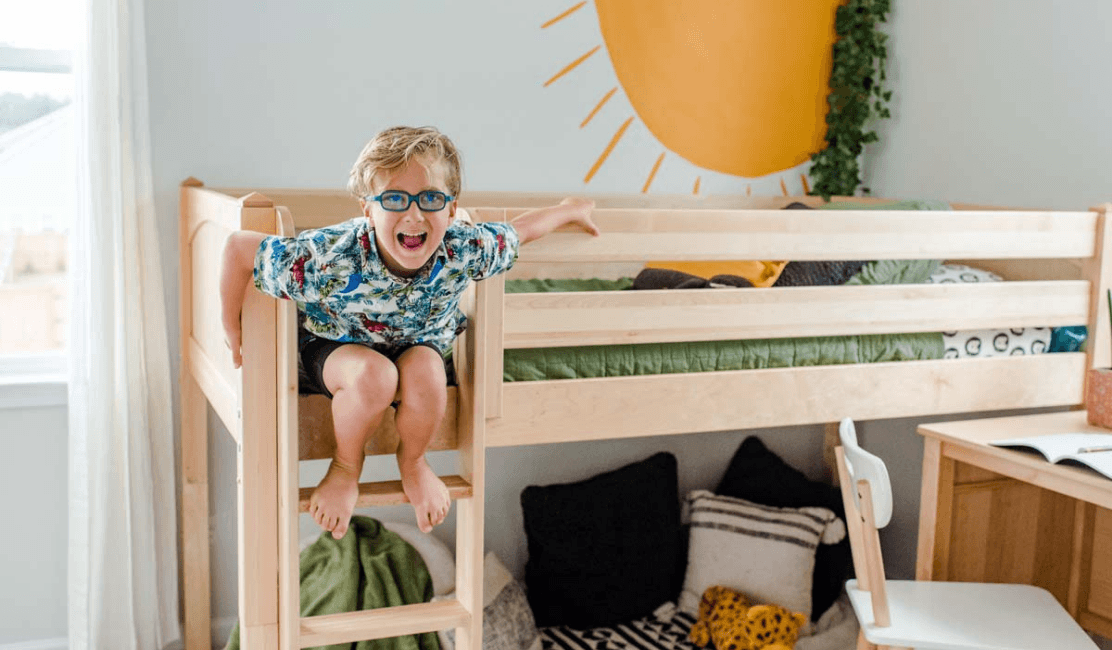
[123, 584]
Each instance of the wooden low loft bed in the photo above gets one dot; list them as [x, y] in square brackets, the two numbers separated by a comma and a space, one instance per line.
[1057, 259]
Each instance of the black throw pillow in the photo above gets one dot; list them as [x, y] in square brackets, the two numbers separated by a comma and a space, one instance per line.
[815, 274]
[604, 550]
[757, 474]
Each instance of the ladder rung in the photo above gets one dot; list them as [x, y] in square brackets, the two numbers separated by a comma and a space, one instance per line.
[389, 493]
[382, 623]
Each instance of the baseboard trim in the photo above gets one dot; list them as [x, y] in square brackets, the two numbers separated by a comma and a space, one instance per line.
[221, 629]
[59, 643]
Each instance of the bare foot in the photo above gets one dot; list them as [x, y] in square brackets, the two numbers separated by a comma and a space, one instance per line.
[332, 503]
[426, 492]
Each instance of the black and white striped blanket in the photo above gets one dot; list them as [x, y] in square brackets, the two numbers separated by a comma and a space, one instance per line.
[649, 633]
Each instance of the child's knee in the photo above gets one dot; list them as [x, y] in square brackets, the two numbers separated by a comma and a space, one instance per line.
[426, 390]
[377, 383]
[422, 377]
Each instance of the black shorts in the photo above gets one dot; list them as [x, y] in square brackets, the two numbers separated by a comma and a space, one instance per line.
[313, 351]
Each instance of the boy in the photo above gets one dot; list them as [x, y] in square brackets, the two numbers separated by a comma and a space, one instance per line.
[379, 297]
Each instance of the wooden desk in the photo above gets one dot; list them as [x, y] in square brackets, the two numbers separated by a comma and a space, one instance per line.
[989, 514]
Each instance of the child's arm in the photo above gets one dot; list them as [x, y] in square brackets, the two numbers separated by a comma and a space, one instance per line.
[235, 275]
[535, 224]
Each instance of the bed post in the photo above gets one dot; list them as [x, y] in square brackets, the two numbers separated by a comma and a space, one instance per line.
[1098, 271]
[289, 557]
[194, 552]
[491, 311]
[257, 454]
[474, 369]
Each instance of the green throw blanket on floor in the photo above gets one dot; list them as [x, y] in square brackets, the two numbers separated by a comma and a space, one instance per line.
[370, 567]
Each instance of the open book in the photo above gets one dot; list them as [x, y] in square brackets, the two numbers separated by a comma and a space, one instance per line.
[1092, 450]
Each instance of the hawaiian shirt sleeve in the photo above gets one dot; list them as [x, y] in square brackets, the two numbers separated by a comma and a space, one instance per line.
[490, 248]
[305, 268]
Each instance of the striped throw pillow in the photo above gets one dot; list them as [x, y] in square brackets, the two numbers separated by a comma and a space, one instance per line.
[764, 552]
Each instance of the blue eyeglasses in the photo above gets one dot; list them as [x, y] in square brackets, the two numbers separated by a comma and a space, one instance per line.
[399, 201]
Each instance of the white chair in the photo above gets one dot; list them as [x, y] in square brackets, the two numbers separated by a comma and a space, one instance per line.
[934, 615]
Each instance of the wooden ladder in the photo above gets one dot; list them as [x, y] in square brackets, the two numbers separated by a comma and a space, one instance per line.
[464, 613]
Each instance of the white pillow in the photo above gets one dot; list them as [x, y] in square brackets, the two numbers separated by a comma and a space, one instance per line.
[958, 273]
[764, 552]
[986, 343]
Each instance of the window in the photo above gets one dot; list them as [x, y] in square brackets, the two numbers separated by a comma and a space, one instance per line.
[38, 183]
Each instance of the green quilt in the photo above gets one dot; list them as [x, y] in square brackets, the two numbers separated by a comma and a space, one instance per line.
[534, 364]
[370, 567]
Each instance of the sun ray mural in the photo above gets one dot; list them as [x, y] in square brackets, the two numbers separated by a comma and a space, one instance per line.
[732, 87]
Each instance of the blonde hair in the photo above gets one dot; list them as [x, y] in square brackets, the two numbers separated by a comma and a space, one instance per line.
[394, 148]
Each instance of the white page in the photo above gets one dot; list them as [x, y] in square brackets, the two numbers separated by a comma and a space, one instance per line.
[1100, 461]
[1061, 445]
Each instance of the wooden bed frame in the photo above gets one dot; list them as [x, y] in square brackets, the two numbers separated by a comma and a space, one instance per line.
[1057, 258]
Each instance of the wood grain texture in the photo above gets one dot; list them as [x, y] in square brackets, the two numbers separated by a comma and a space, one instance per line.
[381, 623]
[626, 317]
[586, 409]
[389, 493]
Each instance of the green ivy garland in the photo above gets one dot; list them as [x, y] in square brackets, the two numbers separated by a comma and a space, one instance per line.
[856, 94]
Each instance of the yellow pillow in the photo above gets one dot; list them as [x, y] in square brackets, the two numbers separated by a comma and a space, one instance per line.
[760, 273]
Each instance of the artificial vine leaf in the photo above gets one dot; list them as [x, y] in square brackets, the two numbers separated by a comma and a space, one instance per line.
[860, 55]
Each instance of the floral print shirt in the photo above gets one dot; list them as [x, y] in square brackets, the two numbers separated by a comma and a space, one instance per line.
[345, 292]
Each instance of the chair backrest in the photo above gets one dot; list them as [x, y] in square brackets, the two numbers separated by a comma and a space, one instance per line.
[863, 466]
[867, 497]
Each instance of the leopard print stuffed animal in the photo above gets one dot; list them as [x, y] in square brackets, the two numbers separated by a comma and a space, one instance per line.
[729, 620]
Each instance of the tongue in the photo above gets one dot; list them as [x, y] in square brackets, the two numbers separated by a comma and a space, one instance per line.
[411, 241]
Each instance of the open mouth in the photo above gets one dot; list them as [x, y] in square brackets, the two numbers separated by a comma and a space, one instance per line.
[412, 241]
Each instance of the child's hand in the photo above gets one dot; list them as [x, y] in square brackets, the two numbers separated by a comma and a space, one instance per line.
[579, 213]
[537, 223]
[235, 274]
[233, 338]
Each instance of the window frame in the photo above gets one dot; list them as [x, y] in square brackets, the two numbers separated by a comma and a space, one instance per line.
[38, 379]
[34, 379]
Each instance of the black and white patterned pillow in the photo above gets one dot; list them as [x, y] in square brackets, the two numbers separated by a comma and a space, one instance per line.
[987, 343]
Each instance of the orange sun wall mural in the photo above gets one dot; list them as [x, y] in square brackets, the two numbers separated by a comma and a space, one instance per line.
[732, 86]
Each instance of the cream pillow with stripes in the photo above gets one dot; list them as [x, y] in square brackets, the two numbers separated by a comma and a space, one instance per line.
[764, 552]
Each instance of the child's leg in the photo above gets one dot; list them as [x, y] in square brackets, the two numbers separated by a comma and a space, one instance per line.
[424, 394]
[363, 384]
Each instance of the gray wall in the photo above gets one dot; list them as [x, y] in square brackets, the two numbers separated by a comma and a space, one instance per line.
[33, 548]
[998, 101]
